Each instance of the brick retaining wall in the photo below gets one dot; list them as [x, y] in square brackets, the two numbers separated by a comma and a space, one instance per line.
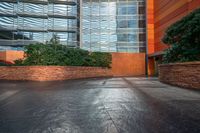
[185, 75]
[51, 73]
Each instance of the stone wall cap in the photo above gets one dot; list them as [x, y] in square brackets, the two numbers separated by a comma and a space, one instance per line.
[54, 67]
[180, 63]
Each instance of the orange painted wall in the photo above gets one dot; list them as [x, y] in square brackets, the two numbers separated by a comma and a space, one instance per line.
[160, 15]
[151, 67]
[14, 55]
[150, 26]
[11, 55]
[128, 64]
[166, 12]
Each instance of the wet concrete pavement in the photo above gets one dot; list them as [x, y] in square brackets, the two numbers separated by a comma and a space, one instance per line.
[111, 105]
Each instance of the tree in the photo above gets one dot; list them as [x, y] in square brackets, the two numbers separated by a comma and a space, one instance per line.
[183, 37]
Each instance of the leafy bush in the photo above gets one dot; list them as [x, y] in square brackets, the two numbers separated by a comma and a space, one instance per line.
[61, 55]
[101, 59]
[183, 37]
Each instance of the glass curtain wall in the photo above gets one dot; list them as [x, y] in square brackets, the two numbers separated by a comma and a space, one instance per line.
[29, 21]
[113, 25]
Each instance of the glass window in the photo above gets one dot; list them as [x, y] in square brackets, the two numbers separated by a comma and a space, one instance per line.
[86, 38]
[133, 38]
[132, 23]
[104, 38]
[122, 24]
[95, 8]
[95, 37]
[132, 10]
[24, 22]
[32, 8]
[114, 28]
[122, 10]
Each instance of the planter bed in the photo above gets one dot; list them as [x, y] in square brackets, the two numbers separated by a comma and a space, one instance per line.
[51, 73]
[185, 75]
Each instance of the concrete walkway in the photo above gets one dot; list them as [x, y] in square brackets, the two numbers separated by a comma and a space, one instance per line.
[113, 105]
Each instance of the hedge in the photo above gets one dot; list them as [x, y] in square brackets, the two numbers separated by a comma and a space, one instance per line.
[62, 55]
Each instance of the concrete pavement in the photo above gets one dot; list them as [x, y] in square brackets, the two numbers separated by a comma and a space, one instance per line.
[107, 105]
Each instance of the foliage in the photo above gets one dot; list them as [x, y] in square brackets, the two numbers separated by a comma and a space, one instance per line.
[104, 59]
[56, 54]
[183, 37]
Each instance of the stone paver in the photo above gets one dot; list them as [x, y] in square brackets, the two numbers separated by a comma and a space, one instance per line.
[107, 105]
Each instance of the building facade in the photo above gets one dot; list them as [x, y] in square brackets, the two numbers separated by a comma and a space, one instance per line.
[30, 21]
[103, 25]
[122, 26]
[160, 15]
[113, 25]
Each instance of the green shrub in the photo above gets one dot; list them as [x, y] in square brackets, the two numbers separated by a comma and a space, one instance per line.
[183, 37]
[61, 55]
[100, 59]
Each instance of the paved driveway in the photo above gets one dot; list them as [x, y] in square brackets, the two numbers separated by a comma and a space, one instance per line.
[113, 105]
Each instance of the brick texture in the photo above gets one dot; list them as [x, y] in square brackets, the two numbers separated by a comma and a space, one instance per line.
[185, 75]
[51, 73]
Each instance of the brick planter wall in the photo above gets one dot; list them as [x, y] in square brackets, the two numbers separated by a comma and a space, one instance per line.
[185, 75]
[51, 73]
